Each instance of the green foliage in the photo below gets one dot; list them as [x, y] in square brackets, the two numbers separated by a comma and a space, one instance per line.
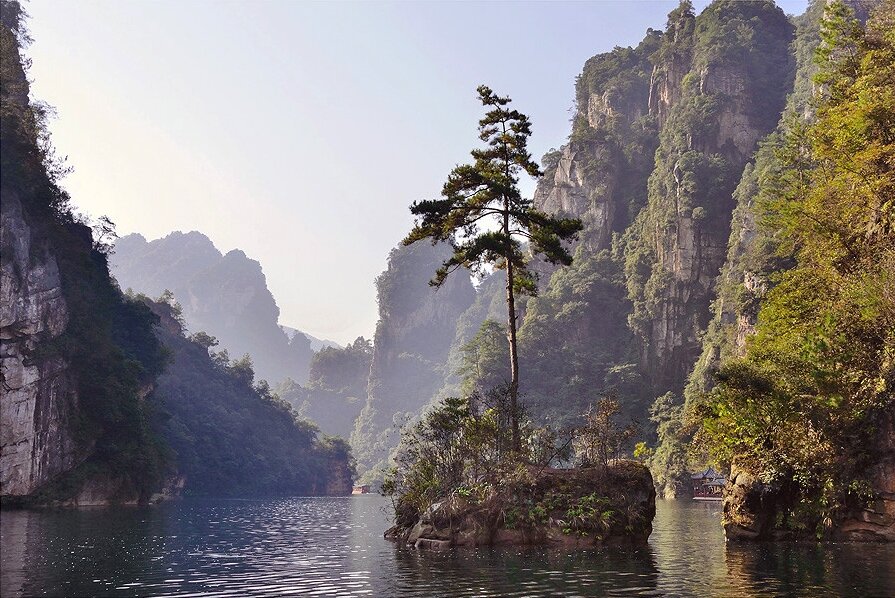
[589, 514]
[337, 388]
[232, 436]
[804, 405]
[575, 342]
[602, 439]
[669, 462]
[488, 191]
[485, 360]
[342, 370]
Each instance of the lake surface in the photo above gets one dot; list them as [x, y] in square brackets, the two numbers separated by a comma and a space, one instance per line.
[334, 547]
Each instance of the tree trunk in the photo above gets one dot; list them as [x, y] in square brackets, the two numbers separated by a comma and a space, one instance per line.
[511, 337]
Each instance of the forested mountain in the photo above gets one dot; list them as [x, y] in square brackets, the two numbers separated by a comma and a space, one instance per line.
[223, 295]
[229, 435]
[660, 137]
[698, 162]
[337, 387]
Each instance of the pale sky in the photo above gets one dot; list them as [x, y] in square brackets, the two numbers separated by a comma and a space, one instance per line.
[300, 132]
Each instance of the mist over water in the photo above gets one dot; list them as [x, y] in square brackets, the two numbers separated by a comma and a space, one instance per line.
[334, 547]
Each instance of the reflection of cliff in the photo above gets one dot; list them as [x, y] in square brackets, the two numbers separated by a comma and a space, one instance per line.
[807, 569]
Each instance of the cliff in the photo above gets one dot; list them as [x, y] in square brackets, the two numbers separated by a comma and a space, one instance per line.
[661, 135]
[413, 337]
[39, 396]
[77, 358]
[225, 295]
[721, 96]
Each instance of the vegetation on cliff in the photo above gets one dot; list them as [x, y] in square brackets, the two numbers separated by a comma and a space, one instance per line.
[225, 295]
[108, 342]
[230, 435]
[802, 409]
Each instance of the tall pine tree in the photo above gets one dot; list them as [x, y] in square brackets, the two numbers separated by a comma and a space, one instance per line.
[488, 191]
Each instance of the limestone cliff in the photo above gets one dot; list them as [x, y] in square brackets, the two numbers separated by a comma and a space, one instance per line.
[413, 337]
[39, 396]
[599, 176]
[730, 96]
[661, 136]
[77, 358]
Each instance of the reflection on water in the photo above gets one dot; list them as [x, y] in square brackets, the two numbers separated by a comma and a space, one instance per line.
[334, 546]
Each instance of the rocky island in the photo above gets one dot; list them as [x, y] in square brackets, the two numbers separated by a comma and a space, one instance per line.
[540, 506]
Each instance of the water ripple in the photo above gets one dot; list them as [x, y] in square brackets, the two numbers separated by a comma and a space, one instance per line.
[334, 547]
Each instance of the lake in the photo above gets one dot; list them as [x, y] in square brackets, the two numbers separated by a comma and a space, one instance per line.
[334, 547]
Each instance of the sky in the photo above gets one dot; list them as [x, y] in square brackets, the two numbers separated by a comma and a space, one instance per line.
[300, 132]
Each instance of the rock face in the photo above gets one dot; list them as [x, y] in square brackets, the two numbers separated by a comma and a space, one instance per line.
[876, 522]
[76, 357]
[754, 511]
[711, 119]
[413, 338]
[557, 507]
[596, 177]
[660, 138]
[223, 295]
[39, 398]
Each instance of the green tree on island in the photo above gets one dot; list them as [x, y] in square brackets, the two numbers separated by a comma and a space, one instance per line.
[487, 191]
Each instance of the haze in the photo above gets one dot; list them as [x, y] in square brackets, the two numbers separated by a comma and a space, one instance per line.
[300, 132]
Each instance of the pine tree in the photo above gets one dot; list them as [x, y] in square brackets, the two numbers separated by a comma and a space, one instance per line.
[488, 191]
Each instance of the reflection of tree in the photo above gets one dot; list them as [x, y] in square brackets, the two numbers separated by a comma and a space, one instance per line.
[537, 571]
[808, 569]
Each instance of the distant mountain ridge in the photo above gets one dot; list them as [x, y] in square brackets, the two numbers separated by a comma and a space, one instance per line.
[316, 343]
[225, 295]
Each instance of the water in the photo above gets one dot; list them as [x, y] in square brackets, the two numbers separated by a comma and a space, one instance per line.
[334, 547]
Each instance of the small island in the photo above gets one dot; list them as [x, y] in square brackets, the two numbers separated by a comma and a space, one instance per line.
[456, 483]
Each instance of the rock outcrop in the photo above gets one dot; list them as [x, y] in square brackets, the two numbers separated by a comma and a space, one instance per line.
[754, 510]
[559, 507]
[39, 396]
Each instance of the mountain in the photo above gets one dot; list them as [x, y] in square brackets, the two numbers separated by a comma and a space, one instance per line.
[316, 343]
[416, 326]
[225, 295]
[229, 435]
